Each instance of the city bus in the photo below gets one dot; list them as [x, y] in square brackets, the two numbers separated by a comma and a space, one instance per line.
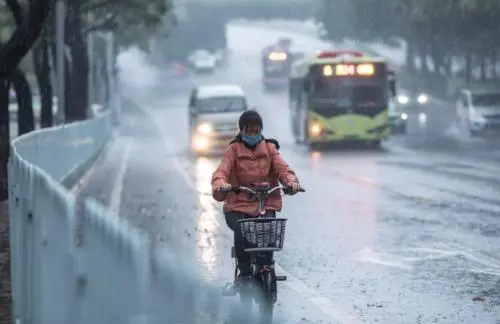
[337, 96]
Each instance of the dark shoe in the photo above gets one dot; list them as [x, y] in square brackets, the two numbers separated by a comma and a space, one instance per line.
[233, 288]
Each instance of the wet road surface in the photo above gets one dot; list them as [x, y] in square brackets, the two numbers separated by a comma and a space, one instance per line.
[407, 234]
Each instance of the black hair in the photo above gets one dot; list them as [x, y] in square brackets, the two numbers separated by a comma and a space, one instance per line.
[250, 117]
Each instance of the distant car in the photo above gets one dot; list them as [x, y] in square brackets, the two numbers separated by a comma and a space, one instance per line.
[411, 99]
[478, 111]
[214, 111]
[275, 65]
[202, 61]
[398, 117]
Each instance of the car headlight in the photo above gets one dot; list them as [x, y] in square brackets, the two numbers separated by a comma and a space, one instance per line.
[422, 99]
[200, 143]
[402, 99]
[205, 128]
[404, 116]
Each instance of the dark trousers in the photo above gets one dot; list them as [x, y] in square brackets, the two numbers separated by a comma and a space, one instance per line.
[242, 256]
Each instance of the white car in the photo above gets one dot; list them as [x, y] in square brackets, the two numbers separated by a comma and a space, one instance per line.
[214, 111]
[203, 61]
[478, 111]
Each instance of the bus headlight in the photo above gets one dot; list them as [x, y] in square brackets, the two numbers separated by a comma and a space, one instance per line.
[422, 99]
[315, 129]
[404, 116]
[205, 128]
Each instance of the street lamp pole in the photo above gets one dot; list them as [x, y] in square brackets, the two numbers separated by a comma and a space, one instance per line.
[60, 59]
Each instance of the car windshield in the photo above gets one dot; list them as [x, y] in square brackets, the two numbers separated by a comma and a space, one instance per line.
[368, 95]
[221, 104]
[201, 55]
[490, 99]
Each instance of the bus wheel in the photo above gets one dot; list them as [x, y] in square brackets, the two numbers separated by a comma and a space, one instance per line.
[303, 138]
[314, 146]
[375, 144]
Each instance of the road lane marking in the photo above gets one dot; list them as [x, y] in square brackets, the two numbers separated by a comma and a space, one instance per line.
[116, 194]
[399, 258]
[83, 181]
[402, 258]
[325, 305]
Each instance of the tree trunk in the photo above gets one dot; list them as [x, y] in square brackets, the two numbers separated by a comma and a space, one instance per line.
[77, 81]
[493, 68]
[482, 67]
[410, 56]
[78, 85]
[25, 118]
[468, 68]
[105, 81]
[24, 36]
[41, 62]
[4, 136]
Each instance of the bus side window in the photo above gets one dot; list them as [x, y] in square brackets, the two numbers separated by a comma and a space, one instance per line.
[291, 89]
[391, 76]
[294, 89]
[306, 85]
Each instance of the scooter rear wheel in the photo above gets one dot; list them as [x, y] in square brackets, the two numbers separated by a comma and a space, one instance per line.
[269, 296]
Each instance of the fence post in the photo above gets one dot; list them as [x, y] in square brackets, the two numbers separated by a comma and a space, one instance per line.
[143, 260]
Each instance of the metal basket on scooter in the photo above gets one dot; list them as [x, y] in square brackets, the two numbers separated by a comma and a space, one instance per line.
[263, 234]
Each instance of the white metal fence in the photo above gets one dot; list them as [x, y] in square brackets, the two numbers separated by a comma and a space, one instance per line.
[83, 265]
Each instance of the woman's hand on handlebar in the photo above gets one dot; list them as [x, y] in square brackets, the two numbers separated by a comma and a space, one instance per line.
[226, 187]
[292, 188]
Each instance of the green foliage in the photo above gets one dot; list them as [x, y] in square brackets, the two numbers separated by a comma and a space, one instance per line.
[7, 23]
[439, 31]
[133, 21]
[448, 26]
[464, 24]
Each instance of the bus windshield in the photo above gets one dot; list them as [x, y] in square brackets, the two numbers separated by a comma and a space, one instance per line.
[356, 94]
